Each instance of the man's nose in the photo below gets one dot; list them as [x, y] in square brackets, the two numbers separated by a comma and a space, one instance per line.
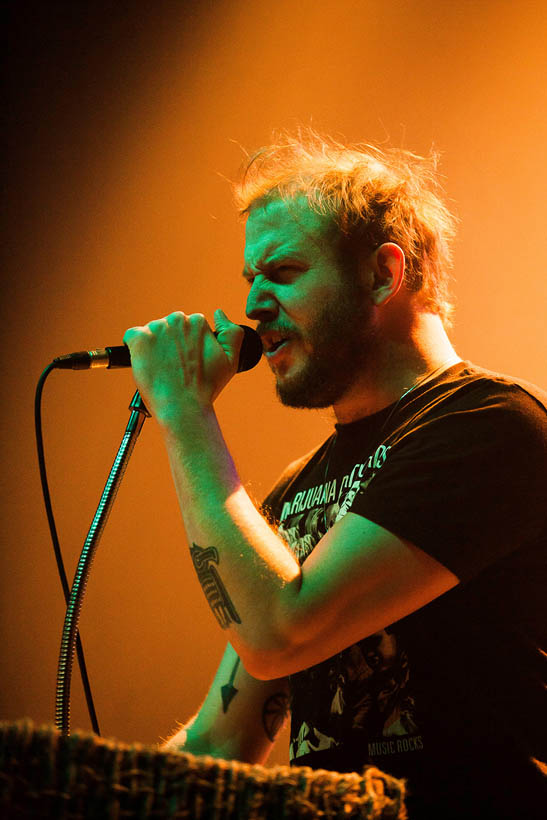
[261, 302]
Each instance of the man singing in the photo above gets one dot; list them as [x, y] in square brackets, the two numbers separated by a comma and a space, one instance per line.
[390, 592]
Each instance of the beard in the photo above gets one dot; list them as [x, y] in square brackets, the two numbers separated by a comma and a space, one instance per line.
[342, 340]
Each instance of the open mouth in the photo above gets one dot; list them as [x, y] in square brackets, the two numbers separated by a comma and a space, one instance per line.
[273, 341]
[273, 348]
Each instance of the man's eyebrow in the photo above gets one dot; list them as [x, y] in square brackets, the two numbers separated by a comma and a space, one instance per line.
[271, 259]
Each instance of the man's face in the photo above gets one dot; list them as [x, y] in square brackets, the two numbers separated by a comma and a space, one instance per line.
[313, 313]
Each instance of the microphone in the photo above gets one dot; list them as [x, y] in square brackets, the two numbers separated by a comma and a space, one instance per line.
[119, 355]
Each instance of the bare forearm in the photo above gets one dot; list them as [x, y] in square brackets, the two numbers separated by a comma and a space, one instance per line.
[240, 717]
[188, 739]
[239, 745]
[247, 572]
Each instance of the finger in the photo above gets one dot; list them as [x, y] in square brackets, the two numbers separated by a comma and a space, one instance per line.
[229, 336]
[175, 319]
[133, 334]
[153, 328]
[196, 325]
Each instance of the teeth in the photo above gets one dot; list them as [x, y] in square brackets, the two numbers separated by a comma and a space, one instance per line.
[272, 340]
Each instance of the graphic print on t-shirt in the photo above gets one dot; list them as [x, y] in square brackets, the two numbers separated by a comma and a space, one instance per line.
[426, 698]
[364, 689]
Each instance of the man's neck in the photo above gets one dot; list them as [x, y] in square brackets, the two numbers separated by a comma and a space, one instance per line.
[399, 363]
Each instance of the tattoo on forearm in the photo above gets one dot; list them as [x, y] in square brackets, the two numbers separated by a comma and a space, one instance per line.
[274, 712]
[214, 589]
[228, 691]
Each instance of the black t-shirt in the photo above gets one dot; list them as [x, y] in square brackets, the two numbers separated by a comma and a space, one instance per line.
[452, 697]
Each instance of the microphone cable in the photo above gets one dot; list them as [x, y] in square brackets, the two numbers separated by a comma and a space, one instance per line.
[55, 539]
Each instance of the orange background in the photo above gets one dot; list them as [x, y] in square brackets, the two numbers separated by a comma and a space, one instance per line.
[123, 122]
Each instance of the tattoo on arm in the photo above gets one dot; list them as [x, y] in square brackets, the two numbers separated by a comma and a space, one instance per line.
[215, 591]
[274, 712]
[228, 691]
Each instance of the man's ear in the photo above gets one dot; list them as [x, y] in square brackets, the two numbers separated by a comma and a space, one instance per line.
[387, 264]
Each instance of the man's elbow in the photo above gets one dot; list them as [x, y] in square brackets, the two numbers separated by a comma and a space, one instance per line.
[270, 660]
[261, 665]
[272, 649]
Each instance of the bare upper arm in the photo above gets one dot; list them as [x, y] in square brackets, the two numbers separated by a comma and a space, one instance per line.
[359, 579]
[240, 717]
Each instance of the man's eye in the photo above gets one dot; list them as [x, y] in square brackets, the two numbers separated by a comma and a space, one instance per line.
[283, 271]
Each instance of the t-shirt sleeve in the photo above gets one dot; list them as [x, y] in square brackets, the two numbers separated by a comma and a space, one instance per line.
[271, 505]
[469, 483]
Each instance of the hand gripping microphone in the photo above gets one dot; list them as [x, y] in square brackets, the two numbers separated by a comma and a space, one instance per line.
[119, 355]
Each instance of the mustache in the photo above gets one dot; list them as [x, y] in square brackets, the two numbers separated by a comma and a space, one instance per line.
[286, 330]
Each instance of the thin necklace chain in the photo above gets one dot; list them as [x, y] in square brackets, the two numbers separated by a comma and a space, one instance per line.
[428, 376]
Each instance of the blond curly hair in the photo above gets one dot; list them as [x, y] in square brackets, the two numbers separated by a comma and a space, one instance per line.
[373, 194]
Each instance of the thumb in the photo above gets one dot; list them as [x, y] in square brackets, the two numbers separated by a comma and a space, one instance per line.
[229, 336]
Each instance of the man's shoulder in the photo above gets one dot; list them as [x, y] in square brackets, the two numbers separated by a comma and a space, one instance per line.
[493, 383]
[471, 406]
[469, 387]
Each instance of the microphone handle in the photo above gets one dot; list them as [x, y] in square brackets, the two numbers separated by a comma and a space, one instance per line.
[119, 356]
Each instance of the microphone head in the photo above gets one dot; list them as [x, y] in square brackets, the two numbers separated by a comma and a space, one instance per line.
[251, 349]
